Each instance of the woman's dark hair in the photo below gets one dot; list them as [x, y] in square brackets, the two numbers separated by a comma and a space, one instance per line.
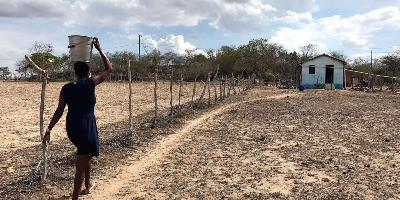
[81, 69]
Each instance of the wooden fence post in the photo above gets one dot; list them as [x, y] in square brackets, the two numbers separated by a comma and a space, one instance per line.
[220, 90]
[180, 92]
[155, 95]
[253, 81]
[224, 89]
[45, 148]
[229, 80]
[203, 92]
[170, 90]
[208, 88]
[393, 85]
[215, 87]
[233, 84]
[194, 89]
[130, 97]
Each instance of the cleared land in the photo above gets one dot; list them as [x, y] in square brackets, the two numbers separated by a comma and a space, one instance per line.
[268, 144]
[317, 145]
[19, 105]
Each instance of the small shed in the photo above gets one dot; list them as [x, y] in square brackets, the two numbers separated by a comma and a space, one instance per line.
[323, 72]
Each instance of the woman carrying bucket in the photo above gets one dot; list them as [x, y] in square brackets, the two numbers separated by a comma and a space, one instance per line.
[81, 122]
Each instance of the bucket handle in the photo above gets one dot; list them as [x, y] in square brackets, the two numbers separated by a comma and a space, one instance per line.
[93, 39]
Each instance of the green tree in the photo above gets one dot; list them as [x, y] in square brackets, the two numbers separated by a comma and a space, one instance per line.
[392, 62]
[42, 55]
[4, 73]
[227, 57]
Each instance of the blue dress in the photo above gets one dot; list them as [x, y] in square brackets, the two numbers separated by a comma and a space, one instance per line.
[81, 121]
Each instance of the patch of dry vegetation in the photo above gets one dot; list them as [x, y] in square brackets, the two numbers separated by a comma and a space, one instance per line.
[19, 108]
[20, 150]
[320, 145]
[317, 145]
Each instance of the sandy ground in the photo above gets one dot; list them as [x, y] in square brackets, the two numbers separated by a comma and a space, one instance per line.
[19, 105]
[316, 145]
[134, 170]
[268, 144]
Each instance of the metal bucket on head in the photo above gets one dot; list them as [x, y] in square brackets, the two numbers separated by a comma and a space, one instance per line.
[80, 48]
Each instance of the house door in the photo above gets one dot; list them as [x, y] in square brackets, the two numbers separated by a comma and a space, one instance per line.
[329, 74]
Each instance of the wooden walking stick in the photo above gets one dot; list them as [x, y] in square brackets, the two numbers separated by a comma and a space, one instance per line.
[45, 149]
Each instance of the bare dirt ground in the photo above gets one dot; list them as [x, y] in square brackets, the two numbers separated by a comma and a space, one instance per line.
[19, 105]
[268, 144]
[20, 148]
[317, 145]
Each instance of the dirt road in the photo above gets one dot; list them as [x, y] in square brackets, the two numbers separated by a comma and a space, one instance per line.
[126, 181]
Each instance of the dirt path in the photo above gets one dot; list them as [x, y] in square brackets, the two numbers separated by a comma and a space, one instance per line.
[108, 188]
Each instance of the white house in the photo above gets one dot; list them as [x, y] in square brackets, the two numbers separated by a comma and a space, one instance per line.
[323, 71]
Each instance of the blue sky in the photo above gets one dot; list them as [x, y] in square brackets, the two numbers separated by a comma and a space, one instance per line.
[349, 26]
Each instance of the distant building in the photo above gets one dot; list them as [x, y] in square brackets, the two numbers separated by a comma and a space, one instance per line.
[322, 72]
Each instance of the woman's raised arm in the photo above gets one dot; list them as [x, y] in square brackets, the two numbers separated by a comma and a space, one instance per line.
[99, 78]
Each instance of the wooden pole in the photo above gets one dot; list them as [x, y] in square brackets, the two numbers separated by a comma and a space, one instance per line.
[229, 85]
[180, 92]
[372, 75]
[238, 84]
[224, 89]
[203, 92]
[233, 84]
[215, 87]
[208, 88]
[345, 78]
[220, 89]
[45, 148]
[155, 95]
[393, 85]
[170, 90]
[130, 97]
[194, 89]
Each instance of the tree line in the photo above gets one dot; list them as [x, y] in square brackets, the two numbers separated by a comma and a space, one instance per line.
[260, 57]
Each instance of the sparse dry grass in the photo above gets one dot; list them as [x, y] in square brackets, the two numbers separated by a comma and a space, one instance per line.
[319, 145]
[19, 107]
[315, 145]
[20, 149]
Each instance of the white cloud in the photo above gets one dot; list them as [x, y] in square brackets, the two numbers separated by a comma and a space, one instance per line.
[16, 38]
[232, 15]
[294, 17]
[175, 43]
[32, 8]
[171, 43]
[356, 31]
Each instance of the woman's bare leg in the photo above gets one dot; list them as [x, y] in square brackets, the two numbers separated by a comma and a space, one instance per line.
[81, 163]
[87, 175]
